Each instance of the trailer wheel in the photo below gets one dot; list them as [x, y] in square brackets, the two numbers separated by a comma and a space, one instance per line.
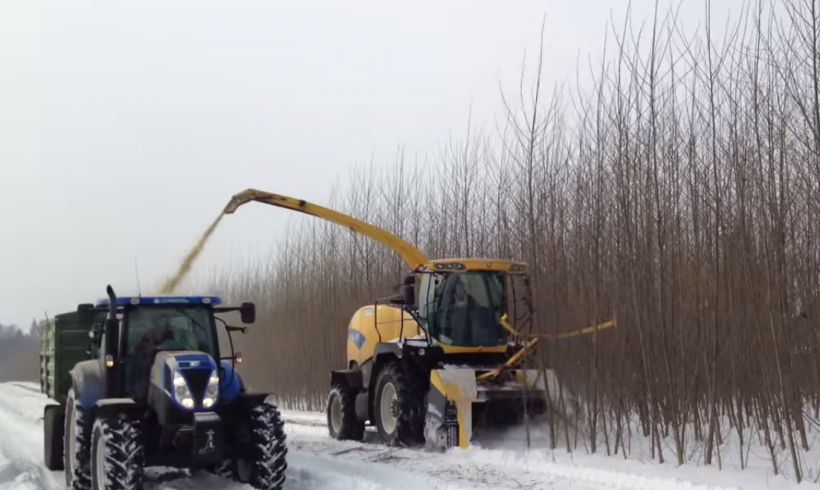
[53, 426]
[342, 421]
[76, 447]
[118, 461]
[400, 405]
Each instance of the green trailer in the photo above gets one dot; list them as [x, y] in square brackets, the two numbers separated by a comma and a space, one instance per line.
[64, 341]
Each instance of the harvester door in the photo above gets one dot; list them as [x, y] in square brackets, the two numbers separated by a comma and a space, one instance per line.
[429, 299]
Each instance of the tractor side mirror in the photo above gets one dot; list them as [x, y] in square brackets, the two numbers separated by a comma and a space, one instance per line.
[248, 313]
[85, 314]
[111, 324]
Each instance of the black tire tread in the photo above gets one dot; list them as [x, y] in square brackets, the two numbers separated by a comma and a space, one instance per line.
[53, 426]
[80, 477]
[268, 447]
[352, 428]
[125, 452]
[411, 387]
[224, 469]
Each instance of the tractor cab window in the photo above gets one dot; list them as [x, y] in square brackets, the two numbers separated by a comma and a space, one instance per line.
[170, 328]
[466, 308]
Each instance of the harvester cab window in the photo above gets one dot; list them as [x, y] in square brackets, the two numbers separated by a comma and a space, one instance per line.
[468, 309]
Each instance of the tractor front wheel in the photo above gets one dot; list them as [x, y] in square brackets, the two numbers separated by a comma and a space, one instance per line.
[265, 443]
[400, 405]
[118, 455]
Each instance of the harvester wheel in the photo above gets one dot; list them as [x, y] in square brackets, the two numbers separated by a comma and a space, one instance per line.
[400, 405]
[118, 461]
[341, 414]
[76, 446]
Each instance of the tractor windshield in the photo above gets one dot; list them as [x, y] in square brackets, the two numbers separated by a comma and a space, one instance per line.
[170, 328]
[466, 308]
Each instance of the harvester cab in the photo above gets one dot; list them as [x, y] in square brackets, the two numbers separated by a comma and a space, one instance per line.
[431, 364]
[155, 391]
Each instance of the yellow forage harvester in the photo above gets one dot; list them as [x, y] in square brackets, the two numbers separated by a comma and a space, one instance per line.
[441, 359]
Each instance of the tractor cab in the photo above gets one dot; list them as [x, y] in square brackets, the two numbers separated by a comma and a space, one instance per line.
[143, 327]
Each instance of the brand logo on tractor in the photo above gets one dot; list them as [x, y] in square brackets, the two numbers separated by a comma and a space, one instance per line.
[209, 443]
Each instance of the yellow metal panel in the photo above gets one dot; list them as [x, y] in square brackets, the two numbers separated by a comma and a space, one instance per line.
[392, 323]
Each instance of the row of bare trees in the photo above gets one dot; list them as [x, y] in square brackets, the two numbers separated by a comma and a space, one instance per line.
[679, 194]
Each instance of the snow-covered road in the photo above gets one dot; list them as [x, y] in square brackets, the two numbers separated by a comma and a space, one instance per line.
[316, 461]
[21, 458]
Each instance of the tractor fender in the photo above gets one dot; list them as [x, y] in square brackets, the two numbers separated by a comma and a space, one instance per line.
[87, 381]
[110, 406]
[230, 382]
[250, 399]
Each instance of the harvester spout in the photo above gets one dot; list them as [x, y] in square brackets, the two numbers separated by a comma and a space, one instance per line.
[411, 256]
[238, 200]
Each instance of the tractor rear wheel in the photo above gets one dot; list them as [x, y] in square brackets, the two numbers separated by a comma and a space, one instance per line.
[342, 421]
[76, 448]
[118, 455]
[400, 405]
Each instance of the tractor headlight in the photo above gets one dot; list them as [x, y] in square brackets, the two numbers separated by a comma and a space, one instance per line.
[212, 391]
[181, 391]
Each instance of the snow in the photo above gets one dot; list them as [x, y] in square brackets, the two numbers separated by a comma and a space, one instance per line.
[315, 461]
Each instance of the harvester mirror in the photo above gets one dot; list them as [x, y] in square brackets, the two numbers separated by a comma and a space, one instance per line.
[408, 294]
[248, 313]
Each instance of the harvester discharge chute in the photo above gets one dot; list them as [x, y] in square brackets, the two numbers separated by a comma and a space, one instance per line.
[437, 362]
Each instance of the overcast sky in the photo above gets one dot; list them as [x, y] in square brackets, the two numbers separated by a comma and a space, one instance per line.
[125, 126]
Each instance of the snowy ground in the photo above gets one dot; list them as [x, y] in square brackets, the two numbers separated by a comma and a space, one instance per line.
[318, 462]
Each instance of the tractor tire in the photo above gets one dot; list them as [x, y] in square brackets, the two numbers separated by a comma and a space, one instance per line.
[53, 426]
[76, 445]
[118, 455]
[342, 422]
[224, 469]
[265, 467]
[400, 405]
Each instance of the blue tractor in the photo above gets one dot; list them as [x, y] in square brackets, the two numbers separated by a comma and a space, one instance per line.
[155, 391]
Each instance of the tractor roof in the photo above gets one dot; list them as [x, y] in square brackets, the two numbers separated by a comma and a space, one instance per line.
[163, 300]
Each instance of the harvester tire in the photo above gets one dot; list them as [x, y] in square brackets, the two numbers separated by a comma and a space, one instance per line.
[400, 405]
[342, 421]
[118, 455]
[264, 468]
[76, 446]
[53, 426]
